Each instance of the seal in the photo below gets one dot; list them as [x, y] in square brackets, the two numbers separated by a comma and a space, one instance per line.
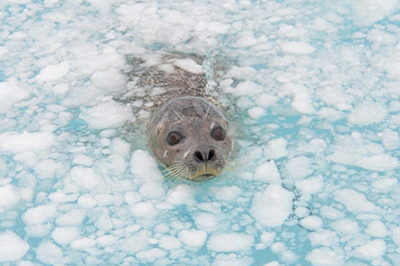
[186, 130]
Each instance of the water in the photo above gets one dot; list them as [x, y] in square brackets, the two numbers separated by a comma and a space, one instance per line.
[316, 85]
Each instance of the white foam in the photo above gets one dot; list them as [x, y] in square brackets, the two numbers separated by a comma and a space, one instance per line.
[107, 115]
[10, 94]
[268, 172]
[12, 247]
[272, 206]
[230, 242]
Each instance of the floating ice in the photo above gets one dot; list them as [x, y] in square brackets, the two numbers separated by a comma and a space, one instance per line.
[12, 247]
[315, 88]
[272, 206]
[230, 242]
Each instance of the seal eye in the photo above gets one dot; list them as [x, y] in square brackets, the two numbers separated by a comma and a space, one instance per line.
[218, 133]
[174, 138]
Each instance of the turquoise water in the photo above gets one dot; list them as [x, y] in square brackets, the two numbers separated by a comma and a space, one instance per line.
[316, 86]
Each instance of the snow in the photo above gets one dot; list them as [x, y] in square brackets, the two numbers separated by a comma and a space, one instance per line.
[12, 247]
[272, 206]
[229, 242]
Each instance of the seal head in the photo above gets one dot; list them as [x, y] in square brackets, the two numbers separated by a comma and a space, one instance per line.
[190, 137]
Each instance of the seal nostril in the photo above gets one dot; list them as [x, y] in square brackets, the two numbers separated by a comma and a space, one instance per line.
[211, 155]
[197, 156]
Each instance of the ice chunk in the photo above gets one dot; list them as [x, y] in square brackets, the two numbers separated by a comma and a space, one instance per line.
[371, 250]
[53, 72]
[64, 235]
[9, 196]
[390, 139]
[376, 229]
[12, 247]
[298, 167]
[396, 235]
[384, 184]
[193, 238]
[39, 214]
[273, 206]
[189, 65]
[226, 193]
[107, 115]
[206, 221]
[354, 201]
[72, 218]
[85, 177]
[169, 242]
[312, 222]
[10, 94]
[310, 185]
[181, 194]
[302, 100]
[151, 255]
[276, 148]
[16, 143]
[144, 166]
[324, 238]
[345, 226]
[367, 12]
[48, 169]
[297, 48]
[268, 172]
[144, 210]
[83, 243]
[367, 114]
[256, 112]
[84, 160]
[230, 242]
[49, 253]
[109, 81]
[232, 260]
[136, 242]
[324, 257]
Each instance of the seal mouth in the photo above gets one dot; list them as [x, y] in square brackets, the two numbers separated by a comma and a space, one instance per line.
[204, 177]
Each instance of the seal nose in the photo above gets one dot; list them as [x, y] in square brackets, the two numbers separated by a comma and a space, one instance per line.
[204, 156]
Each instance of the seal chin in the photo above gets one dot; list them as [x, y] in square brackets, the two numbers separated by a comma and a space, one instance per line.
[204, 177]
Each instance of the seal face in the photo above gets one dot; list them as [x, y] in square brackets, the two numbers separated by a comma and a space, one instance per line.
[191, 137]
[186, 132]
